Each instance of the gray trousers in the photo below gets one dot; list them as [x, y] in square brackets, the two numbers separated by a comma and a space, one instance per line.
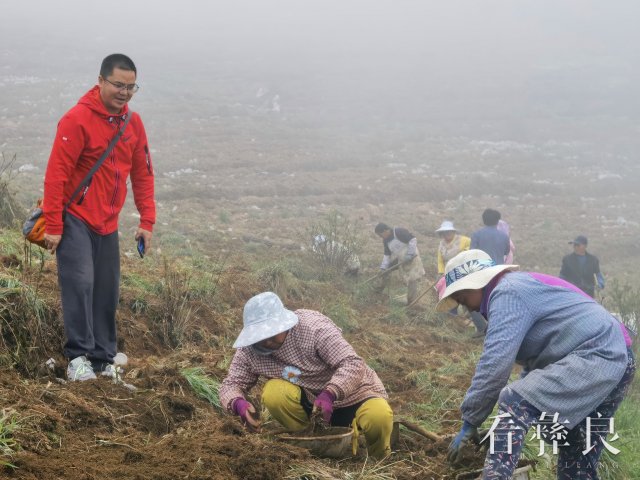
[89, 278]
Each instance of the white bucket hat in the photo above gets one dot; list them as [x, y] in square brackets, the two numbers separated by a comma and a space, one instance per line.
[263, 317]
[469, 270]
[446, 226]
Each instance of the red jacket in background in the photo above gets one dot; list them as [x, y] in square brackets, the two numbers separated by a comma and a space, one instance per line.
[83, 135]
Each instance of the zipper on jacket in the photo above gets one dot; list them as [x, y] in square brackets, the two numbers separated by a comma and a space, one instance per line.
[115, 192]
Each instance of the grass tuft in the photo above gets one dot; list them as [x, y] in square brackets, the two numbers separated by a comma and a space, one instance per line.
[205, 386]
[28, 331]
[8, 445]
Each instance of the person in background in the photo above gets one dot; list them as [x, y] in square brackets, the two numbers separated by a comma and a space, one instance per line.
[506, 229]
[496, 244]
[310, 368]
[581, 268]
[489, 239]
[84, 233]
[576, 357]
[401, 248]
[451, 243]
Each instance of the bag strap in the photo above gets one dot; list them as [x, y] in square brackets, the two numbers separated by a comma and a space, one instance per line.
[85, 181]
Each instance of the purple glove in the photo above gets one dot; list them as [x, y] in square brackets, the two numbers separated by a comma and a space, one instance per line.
[324, 403]
[244, 410]
[240, 407]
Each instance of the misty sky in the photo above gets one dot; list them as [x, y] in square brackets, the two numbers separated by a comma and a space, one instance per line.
[446, 60]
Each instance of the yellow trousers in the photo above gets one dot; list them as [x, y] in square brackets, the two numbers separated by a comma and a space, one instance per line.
[374, 417]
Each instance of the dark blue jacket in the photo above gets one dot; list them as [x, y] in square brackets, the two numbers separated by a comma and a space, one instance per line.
[492, 241]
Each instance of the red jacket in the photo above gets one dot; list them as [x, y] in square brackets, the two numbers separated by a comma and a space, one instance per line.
[82, 137]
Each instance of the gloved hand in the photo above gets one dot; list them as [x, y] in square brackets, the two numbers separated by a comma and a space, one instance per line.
[246, 412]
[408, 257]
[324, 404]
[467, 435]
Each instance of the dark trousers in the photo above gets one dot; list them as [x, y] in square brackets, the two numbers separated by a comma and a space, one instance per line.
[89, 278]
[341, 417]
[573, 464]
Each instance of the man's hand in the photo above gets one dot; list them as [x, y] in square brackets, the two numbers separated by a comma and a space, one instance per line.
[468, 435]
[146, 236]
[52, 242]
[247, 413]
[324, 405]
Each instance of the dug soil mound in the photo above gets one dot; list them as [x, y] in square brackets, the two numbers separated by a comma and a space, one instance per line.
[163, 429]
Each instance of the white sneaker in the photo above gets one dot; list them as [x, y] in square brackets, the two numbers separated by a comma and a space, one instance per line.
[80, 369]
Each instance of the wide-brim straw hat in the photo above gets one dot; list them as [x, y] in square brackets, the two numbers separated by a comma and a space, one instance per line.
[446, 226]
[263, 317]
[469, 270]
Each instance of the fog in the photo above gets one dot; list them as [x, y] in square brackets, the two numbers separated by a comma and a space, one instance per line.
[534, 71]
[424, 59]
[262, 112]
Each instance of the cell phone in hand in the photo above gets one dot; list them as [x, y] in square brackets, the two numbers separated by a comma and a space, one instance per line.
[141, 247]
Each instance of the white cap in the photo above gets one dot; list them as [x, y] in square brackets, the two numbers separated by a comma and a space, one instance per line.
[446, 226]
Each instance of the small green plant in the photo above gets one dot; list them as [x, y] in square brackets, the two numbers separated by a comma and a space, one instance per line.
[279, 277]
[139, 305]
[8, 445]
[342, 314]
[11, 243]
[205, 387]
[224, 216]
[210, 272]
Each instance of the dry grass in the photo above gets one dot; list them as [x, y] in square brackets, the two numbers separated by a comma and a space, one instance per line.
[29, 329]
[10, 209]
[176, 311]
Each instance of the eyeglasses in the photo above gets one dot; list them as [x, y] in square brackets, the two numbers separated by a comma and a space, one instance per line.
[131, 88]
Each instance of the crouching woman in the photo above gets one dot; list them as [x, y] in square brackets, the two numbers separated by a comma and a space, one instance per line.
[576, 358]
[310, 367]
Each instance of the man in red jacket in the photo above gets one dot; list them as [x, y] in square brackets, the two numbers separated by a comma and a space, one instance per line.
[84, 234]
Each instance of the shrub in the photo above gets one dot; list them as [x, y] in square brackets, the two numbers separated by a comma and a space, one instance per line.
[176, 313]
[335, 243]
[10, 209]
[624, 301]
[28, 326]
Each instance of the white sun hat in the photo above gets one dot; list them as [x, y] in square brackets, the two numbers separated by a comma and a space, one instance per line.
[263, 317]
[446, 226]
[469, 270]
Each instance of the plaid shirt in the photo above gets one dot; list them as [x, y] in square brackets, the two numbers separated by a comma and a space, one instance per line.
[314, 356]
